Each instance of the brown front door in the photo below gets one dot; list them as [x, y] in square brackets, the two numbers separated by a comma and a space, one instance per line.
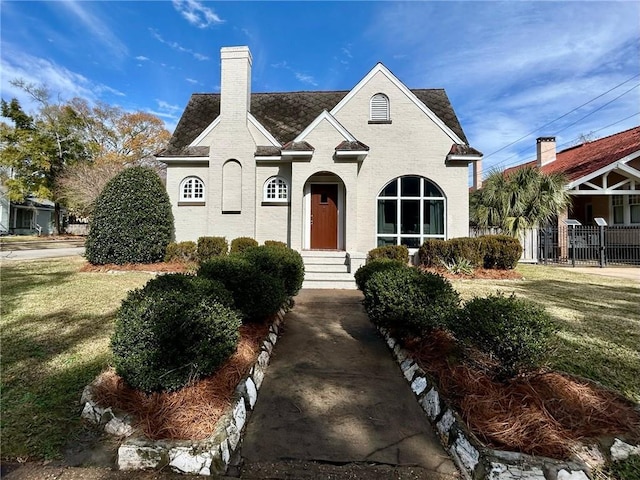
[324, 216]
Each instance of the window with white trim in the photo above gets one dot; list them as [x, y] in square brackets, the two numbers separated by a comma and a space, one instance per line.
[379, 108]
[192, 190]
[411, 209]
[276, 190]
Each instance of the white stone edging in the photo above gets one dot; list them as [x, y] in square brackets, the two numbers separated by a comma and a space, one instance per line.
[478, 462]
[205, 457]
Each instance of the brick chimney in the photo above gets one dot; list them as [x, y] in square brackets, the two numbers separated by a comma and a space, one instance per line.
[235, 88]
[477, 175]
[545, 151]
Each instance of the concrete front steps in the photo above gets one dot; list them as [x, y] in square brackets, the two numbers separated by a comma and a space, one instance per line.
[327, 269]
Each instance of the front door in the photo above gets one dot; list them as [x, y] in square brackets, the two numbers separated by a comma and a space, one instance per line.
[324, 216]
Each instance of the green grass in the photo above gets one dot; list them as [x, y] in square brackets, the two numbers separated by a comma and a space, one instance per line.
[55, 328]
[598, 319]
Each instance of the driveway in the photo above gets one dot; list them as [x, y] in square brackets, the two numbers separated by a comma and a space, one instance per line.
[41, 253]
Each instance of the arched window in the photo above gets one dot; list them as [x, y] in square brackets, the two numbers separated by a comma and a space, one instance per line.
[276, 190]
[380, 108]
[411, 209]
[192, 190]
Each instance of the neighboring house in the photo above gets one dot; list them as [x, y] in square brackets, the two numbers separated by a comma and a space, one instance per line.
[604, 182]
[4, 211]
[603, 176]
[30, 217]
[341, 171]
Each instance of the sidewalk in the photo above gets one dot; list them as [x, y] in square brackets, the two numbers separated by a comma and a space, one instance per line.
[334, 395]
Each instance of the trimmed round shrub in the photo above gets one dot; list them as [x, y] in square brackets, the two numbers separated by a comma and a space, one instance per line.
[392, 252]
[363, 273]
[240, 244]
[500, 251]
[181, 252]
[514, 331]
[165, 338]
[211, 247]
[275, 243]
[132, 220]
[285, 263]
[411, 302]
[200, 286]
[256, 294]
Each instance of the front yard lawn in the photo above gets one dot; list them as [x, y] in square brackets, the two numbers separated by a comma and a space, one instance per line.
[55, 327]
[598, 317]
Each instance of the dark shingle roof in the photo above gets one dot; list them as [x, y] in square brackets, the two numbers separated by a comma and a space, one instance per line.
[286, 115]
[356, 146]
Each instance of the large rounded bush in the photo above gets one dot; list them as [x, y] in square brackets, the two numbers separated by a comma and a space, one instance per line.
[256, 294]
[167, 337]
[202, 287]
[514, 331]
[132, 220]
[363, 273]
[411, 302]
[285, 263]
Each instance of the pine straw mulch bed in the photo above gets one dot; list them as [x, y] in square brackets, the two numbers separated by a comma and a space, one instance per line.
[192, 412]
[160, 267]
[544, 413]
[478, 274]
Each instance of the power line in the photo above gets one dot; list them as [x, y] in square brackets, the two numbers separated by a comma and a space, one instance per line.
[562, 116]
[506, 165]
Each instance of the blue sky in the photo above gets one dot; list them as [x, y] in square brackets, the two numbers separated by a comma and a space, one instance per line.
[509, 68]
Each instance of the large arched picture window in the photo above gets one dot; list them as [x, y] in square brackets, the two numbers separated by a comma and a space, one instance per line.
[411, 209]
[192, 190]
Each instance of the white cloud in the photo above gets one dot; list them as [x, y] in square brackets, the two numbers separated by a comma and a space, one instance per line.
[167, 107]
[59, 80]
[192, 81]
[177, 47]
[196, 13]
[142, 58]
[97, 28]
[300, 76]
[304, 78]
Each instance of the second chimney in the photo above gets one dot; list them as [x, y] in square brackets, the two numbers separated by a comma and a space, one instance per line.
[235, 87]
[545, 150]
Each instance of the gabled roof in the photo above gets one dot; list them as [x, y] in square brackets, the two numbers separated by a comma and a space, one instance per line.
[589, 157]
[286, 115]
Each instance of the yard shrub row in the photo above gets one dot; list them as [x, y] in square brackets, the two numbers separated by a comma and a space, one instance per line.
[183, 252]
[179, 328]
[514, 333]
[488, 251]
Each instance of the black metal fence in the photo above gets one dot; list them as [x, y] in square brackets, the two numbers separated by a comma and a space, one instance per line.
[586, 245]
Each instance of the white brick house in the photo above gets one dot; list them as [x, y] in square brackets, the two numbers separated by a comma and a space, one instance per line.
[341, 171]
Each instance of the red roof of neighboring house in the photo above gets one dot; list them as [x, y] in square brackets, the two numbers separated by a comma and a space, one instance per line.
[581, 160]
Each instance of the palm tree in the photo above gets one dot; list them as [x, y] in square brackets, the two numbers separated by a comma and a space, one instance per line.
[525, 198]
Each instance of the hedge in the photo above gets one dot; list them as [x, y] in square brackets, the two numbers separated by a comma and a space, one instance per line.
[363, 273]
[392, 252]
[210, 247]
[489, 251]
[240, 244]
[285, 263]
[181, 252]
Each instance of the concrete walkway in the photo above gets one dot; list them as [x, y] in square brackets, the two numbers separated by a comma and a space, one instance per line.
[334, 395]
